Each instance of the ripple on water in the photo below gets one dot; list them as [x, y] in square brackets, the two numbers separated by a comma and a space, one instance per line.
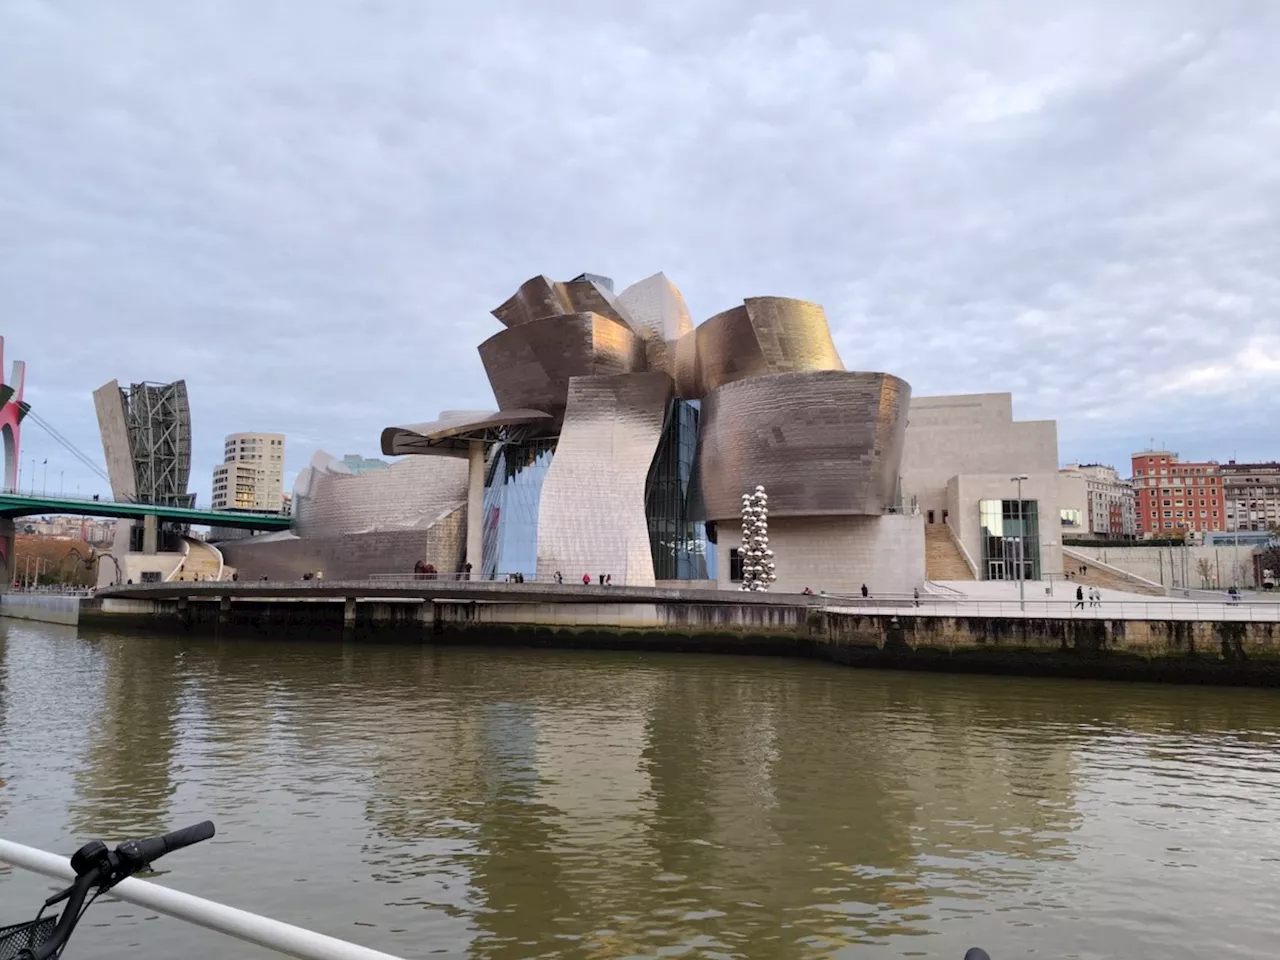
[506, 804]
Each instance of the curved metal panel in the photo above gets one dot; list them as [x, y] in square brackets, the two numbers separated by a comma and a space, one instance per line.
[530, 365]
[539, 298]
[765, 335]
[451, 433]
[536, 298]
[592, 513]
[658, 313]
[411, 494]
[821, 442]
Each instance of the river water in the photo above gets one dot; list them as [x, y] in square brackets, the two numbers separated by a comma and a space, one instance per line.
[525, 803]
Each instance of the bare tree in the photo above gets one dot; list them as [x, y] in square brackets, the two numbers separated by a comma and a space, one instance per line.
[1204, 569]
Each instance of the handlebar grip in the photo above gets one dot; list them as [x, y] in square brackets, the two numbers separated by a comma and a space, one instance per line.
[188, 835]
[141, 852]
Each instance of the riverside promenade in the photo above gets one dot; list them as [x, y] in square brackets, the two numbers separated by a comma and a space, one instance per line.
[1125, 637]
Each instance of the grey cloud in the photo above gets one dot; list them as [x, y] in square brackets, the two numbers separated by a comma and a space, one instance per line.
[308, 209]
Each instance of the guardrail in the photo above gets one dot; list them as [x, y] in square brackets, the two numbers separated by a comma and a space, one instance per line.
[53, 590]
[932, 605]
[470, 578]
[65, 498]
[250, 927]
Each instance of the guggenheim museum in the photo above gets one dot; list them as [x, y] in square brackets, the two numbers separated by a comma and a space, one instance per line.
[623, 438]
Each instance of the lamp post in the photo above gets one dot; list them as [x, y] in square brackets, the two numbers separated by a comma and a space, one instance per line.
[1022, 533]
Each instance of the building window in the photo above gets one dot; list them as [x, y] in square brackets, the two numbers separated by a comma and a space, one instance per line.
[1010, 538]
[1168, 513]
[1070, 517]
[735, 565]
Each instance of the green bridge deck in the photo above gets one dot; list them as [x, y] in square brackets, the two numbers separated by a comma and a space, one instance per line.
[14, 505]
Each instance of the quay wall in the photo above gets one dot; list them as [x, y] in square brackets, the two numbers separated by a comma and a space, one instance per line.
[48, 608]
[1234, 652]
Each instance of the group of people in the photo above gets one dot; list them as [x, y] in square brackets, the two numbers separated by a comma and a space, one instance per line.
[603, 579]
[1095, 597]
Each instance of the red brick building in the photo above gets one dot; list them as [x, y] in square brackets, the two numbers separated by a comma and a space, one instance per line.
[1175, 496]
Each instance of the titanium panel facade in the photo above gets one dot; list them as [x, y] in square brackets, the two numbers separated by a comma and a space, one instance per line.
[352, 526]
[659, 315]
[530, 365]
[763, 336]
[540, 298]
[592, 515]
[821, 443]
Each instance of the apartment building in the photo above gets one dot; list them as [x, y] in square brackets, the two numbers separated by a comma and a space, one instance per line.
[1251, 495]
[251, 476]
[1107, 507]
[1174, 496]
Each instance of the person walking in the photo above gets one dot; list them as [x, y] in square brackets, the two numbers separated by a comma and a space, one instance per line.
[586, 579]
[1080, 597]
[559, 577]
[865, 592]
[916, 594]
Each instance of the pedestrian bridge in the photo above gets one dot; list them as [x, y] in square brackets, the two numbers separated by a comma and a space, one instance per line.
[14, 505]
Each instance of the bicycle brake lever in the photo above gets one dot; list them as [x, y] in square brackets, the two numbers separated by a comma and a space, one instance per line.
[58, 897]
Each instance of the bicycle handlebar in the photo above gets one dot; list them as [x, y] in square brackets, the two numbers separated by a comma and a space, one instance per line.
[97, 867]
[143, 852]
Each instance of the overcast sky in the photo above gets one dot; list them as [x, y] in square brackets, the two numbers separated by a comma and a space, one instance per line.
[307, 209]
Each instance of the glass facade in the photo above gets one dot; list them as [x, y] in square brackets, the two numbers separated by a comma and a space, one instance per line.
[681, 550]
[1010, 533]
[512, 492]
[1070, 517]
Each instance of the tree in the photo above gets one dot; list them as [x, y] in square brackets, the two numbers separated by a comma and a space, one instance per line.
[1269, 561]
[1204, 569]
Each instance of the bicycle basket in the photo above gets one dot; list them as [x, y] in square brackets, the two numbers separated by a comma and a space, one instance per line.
[25, 936]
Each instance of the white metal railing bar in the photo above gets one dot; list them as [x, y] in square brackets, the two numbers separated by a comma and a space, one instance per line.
[250, 927]
[1107, 609]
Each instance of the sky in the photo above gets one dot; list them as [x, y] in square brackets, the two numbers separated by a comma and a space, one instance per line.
[307, 209]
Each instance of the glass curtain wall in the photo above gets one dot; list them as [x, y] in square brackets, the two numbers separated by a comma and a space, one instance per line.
[1010, 532]
[679, 542]
[512, 493]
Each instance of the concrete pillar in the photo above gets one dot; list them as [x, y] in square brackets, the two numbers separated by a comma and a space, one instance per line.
[349, 613]
[150, 533]
[475, 506]
[8, 543]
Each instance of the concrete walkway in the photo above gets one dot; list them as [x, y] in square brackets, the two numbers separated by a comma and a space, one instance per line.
[999, 598]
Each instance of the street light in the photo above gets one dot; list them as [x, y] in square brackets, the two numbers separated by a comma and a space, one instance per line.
[1022, 533]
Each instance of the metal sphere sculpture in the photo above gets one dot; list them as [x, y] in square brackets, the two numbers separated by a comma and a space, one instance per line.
[757, 558]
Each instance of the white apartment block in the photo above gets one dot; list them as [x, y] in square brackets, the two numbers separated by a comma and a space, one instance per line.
[1106, 505]
[1251, 495]
[251, 476]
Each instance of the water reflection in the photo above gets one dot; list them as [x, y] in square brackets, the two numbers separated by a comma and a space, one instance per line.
[504, 804]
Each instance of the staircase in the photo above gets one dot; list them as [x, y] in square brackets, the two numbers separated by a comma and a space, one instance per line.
[1096, 576]
[202, 562]
[942, 558]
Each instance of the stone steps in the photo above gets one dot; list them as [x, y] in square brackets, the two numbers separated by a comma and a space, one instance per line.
[1095, 576]
[942, 558]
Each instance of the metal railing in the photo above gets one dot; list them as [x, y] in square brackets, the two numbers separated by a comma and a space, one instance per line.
[933, 605]
[250, 927]
[77, 498]
[473, 577]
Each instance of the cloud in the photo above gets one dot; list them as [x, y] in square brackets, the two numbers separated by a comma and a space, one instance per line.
[307, 210]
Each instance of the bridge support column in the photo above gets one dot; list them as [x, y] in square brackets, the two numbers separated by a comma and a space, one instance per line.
[475, 506]
[8, 544]
[150, 533]
[349, 613]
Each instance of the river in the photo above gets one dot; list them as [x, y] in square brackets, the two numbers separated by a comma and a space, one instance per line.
[486, 803]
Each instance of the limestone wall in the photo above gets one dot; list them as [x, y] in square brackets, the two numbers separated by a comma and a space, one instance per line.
[838, 554]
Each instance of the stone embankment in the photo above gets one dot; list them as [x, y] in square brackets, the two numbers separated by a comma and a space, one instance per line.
[1200, 651]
